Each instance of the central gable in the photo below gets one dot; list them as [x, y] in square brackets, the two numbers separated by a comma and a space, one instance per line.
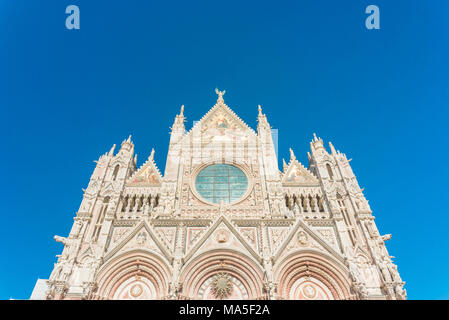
[221, 124]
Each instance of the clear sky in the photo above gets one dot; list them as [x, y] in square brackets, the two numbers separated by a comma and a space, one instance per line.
[381, 96]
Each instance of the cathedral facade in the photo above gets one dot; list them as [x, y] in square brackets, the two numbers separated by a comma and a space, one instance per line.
[223, 222]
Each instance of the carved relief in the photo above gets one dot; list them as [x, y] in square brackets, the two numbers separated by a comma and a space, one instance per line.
[302, 238]
[222, 235]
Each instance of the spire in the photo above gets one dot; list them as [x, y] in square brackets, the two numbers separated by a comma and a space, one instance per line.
[292, 155]
[178, 128]
[262, 121]
[179, 121]
[284, 165]
[127, 144]
[316, 143]
[332, 148]
[152, 154]
[111, 152]
[220, 95]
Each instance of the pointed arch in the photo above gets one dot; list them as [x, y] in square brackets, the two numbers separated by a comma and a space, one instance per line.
[141, 269]
[245, 274]
[315, 272]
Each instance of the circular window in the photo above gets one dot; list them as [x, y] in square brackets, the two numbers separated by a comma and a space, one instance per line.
[221, 182]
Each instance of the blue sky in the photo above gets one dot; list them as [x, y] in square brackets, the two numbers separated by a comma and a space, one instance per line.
[381, 96]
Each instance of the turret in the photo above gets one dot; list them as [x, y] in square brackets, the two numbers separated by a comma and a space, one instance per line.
[127, 146]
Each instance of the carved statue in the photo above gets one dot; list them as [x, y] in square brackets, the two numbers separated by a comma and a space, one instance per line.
[168, 209]
[385, 272]
[290, 202]
[56, 271]
[363, 292]
[158, 211]
[401, 294]
[288, 213]
[220, 94]
[270, 287]
[141, 238]
[353, 271]
[277, 206]
[296, 209]
[394, 272]
[67, 267]
[93, 265]
[174, 290]
[88, 288]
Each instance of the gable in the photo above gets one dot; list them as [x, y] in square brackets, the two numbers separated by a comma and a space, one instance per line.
[302, 237]
[221, 124]
[297, 175]
[141, 237]
[222, 235]
[148, 175]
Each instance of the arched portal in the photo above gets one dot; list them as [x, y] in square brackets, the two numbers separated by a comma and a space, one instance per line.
[221, 275]
[312, 275]
[134, 275]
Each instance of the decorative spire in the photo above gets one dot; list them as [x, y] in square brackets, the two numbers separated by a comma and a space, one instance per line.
[317, 143]
[332, 148]
[111, 152]
[179, 120]
[127, 144]
[292, 155]
[220, 95]
[262, 124]
[284, 165]
[152, 154]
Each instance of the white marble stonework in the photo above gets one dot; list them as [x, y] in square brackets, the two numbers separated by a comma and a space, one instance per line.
[223, 222]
